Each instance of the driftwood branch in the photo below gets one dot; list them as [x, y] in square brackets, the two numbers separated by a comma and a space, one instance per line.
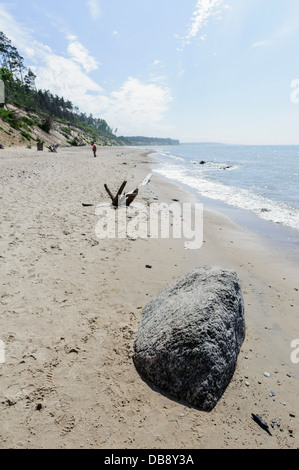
[120, 198]
[116, 199]
[119, 192]
[53, 148]
[126, 198]
[108, 191]
[131, 196]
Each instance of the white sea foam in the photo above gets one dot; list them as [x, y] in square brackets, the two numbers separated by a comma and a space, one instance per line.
[265, 208]
[170, 155]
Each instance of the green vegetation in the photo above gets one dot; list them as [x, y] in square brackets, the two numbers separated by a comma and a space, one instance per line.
[26, 135]
[46, 124]
[74, 142]
[140, 140]
[29, 122]
[20, 90]
[10, 118]
[65, 130]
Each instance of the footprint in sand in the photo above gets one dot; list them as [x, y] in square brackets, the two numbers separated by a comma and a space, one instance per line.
[65, 421]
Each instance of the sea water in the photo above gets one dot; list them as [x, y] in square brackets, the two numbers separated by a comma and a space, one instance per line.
[259, 180]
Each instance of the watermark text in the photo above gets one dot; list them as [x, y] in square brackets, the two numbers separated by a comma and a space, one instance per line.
[295, 353]
[156, 220]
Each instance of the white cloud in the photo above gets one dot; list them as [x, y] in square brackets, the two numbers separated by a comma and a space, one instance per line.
[20, 36]
[156, 69]
[134, 107]
[204, 9]
[63, 77]
[94, 9]
[79, 54]
[286, 32]
[138, 107]
[202, 12]
[260, 44]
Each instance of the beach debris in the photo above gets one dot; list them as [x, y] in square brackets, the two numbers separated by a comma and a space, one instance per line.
[261, 423]
[1, 147]
[127, 198]
[266, 374]
[272, 394]
[146, 180]
[53, 148]
[87, 205]
[292, 415]
[190, 336]
[148, 266]
[118, 199]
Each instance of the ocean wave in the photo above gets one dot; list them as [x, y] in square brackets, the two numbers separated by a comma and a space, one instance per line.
[265, 208]
[170, 155]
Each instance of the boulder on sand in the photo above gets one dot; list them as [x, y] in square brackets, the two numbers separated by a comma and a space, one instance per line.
[190, 336]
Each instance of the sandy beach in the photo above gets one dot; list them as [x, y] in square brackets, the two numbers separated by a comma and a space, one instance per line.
[70, 306]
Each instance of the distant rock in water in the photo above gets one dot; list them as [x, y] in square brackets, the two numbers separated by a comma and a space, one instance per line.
[190, 336]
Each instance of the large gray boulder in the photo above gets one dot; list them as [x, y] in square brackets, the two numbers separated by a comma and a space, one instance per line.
[190, 336]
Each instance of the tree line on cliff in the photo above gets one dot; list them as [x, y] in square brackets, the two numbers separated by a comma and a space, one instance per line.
[20, 90]
[141, 140]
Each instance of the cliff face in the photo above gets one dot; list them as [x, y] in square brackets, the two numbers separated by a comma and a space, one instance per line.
[28, 133]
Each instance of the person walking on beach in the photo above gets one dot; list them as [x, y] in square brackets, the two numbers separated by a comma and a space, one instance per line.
[94, 149]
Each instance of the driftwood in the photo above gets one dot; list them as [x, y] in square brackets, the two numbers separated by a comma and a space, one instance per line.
[53, 148]
[120, 198]
[126, 198]
[131, 196]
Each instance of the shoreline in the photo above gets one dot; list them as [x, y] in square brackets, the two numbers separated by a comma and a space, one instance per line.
[279, 237]
[278, 234]
[72, 303]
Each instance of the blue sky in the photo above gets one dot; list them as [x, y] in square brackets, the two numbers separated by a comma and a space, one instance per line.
[195, 70]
